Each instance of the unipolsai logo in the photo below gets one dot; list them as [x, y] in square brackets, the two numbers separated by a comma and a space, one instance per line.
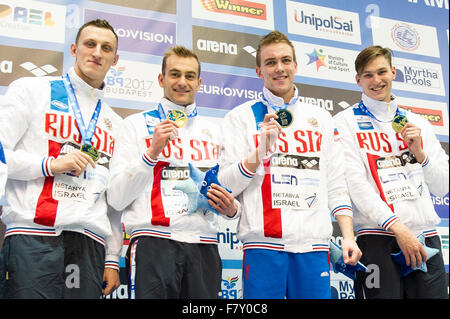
[229, 238]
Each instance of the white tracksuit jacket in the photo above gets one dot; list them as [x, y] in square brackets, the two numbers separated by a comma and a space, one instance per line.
[385, 182]
[143, 188]
[286, 205]
[36, 125]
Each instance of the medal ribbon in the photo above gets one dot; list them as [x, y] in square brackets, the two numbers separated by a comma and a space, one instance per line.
[285, 105]
[364, 109]
[86, 134]
[277, 108]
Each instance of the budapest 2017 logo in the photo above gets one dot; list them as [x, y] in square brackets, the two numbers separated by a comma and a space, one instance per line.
[236, 7]
[230, 291]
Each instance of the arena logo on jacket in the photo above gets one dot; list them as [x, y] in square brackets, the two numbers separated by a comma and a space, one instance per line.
[294, 178]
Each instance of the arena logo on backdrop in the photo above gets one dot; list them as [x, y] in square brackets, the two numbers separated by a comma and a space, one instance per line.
[331, 99]
[17, 62]
[237, 7]
[32, 20]
[139, 35]
[225, 47]
[323, 22]
[43, 70]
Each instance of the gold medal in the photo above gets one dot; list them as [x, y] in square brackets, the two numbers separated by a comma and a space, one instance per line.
[399, 122]
[285, 118]
[178, 117]
[91, 151]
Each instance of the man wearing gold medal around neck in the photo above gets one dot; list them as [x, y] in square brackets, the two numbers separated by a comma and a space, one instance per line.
[173, 251]
[393, 162]
[56, 212]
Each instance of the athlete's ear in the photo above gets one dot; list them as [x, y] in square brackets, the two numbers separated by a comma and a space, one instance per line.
[116, 59]
[73, 50]
[258, 72]
[394, 72]
[358, 79]
[160, 80]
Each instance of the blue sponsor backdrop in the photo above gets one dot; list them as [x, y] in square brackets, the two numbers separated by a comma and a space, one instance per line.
[417, 29]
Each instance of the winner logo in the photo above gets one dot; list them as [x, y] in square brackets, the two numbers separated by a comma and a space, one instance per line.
[236, 7]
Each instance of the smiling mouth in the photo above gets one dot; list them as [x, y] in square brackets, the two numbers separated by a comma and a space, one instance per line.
[181, 91]
[378, 88]
[280, 77]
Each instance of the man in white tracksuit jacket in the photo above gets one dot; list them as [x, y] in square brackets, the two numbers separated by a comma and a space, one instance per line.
[287, 180]
[390, 176]
[173, 249]
[55, 208]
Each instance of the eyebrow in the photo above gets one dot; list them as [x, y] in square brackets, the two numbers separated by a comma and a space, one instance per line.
[283, 57]
[377, 70]
[177, 70]
[96, 40]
